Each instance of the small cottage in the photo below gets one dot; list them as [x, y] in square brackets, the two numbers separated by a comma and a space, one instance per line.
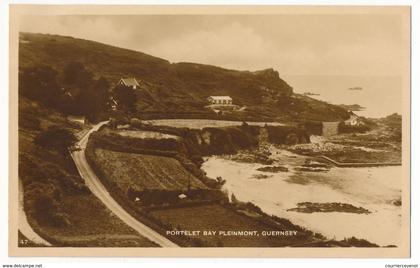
[129, 82]
[354, 120]
[220, 100]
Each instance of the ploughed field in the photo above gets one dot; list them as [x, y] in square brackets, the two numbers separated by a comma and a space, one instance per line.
[203, 123]
[145, 172]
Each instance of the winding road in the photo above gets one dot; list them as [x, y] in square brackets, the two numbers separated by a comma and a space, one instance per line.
[99, 190]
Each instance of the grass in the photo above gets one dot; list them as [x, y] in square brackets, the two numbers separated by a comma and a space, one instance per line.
[92, 225]
[144, 171]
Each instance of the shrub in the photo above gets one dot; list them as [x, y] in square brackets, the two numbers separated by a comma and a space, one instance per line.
[163, 147]
[164, 197]
[229, 140]
[51, 171]
[73, 185]
[55, 138]
[29, 170]
[135, 122]
[312, 127]
[44, 204]
[343, 128]
[59, 219]
[29, 121]
[287, 135]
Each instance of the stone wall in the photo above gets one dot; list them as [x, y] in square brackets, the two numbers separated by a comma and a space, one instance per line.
[329, 128]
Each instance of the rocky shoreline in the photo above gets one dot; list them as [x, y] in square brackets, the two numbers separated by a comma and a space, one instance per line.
[309, 207]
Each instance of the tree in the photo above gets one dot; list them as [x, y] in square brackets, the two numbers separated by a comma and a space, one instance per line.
[100, 93]
[93, 101]
[125, 97]
[55, 138]
[76, 74]
[92, 95]
[40, 84]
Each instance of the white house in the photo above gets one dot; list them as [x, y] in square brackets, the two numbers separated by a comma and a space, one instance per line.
[354, 120]
[220, 100]
[129, 82]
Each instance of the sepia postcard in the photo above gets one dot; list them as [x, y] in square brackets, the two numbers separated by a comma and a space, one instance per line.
[209, 131]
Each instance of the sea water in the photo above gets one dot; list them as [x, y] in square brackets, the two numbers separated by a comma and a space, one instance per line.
[374, 188]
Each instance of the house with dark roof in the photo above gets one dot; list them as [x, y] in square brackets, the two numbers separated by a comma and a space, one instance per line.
[129, 82]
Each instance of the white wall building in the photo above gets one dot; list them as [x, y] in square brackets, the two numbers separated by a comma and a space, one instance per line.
[220, 100]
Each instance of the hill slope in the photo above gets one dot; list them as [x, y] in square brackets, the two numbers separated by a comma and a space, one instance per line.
[178, 89]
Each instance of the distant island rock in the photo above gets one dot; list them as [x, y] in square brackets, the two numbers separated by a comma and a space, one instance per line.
[353, 107]
[310, 94]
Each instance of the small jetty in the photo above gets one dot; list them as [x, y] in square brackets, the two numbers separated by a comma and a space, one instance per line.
[341, 164]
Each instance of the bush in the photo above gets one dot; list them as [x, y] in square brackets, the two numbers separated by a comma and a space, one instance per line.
[312, 127]
[135, 122]
[30, 170]
[165, 197]
[229, 140]
[29, 121]
[40, 83]
[343, 128]
[74, 185]
[44, 204]
[286, 135]
[163, 147]
[59, 219]
[51, 171]
[55, 138]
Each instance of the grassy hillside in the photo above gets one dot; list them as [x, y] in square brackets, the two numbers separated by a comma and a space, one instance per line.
[178, 89]
[58, 205]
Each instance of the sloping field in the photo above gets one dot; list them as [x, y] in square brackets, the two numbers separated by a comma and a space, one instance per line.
[145, 171]
[93, 225]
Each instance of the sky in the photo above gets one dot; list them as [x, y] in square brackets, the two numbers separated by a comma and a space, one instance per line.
[298, 46]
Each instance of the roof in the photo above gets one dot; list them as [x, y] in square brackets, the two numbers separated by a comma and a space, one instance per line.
[130, 81]
[221, 97]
